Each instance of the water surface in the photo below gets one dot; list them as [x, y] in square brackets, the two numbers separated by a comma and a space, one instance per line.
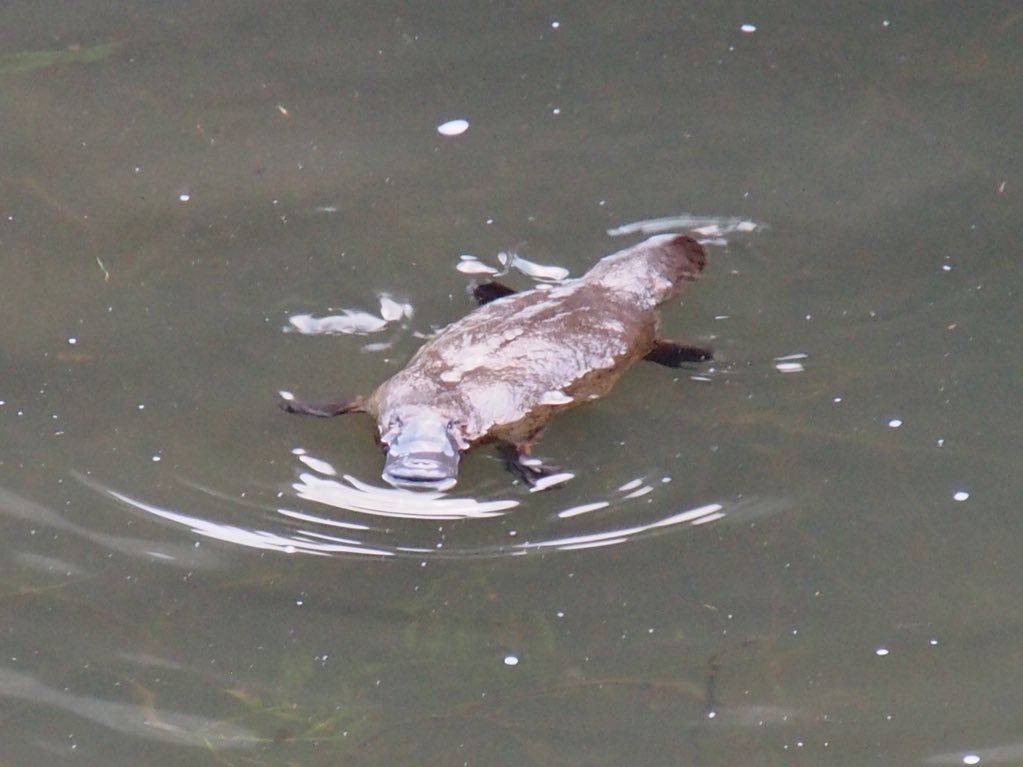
[804, 553]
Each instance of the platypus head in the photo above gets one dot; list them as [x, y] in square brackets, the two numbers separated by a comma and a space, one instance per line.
[423, 449]
[653, 271]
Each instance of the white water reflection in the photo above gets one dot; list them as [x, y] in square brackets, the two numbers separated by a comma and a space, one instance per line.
[708, 226]
[356, 495]
[543, 273]
[351, 321]
[284, 542]
[710, 230]
[707, 513]
[176, 554]
[362, 519]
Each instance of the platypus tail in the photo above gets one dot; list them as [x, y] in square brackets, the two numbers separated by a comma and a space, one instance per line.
[654, 270]
[685, 256]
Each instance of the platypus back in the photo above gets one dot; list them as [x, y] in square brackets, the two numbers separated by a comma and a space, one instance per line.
[503, 371]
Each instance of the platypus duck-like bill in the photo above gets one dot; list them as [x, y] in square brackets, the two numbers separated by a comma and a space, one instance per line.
[502, 372]
[421, 453]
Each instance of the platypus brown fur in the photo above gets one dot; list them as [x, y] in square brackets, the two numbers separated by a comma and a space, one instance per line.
[504, 370]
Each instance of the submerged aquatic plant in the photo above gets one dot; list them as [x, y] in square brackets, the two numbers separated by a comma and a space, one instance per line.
[28, 61]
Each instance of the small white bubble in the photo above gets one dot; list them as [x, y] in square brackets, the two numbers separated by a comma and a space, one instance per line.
[185, 196]
[749, 29]
[511, 660]
[895, 423]
[960, 495]
[156, 459]
[946, 267]
[555, 24]
[453, 127]
[971, 759]
[886, 23]
[881, 651]
[72, 341]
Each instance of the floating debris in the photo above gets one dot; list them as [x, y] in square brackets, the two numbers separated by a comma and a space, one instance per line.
[453, 127]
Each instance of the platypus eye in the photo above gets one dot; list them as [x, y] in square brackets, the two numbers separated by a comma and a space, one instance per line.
[391, 432]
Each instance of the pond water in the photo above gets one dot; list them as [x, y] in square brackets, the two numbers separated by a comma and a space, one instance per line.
[805, 552]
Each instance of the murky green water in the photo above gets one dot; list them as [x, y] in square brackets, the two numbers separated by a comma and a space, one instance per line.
[180, 180]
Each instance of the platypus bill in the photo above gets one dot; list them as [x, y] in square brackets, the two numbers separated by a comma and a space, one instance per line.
[501, 372]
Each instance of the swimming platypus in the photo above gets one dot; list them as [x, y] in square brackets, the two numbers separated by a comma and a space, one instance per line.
[501, 372]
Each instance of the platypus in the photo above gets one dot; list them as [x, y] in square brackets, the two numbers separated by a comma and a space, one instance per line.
[501, 372]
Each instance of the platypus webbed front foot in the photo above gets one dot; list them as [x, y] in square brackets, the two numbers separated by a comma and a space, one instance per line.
[485, 292]
[530, 469]
[321, 409]
[673, 354]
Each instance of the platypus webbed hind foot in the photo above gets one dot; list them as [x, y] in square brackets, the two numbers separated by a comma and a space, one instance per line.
[322, 409]
[673, 354]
